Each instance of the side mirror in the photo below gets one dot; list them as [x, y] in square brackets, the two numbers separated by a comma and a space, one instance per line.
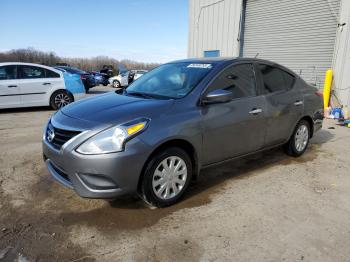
[217, 96]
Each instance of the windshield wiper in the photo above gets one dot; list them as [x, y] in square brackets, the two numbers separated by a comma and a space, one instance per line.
[147, 95]
[144, 95]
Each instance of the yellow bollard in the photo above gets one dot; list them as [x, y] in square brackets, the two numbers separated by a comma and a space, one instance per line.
[327, 87]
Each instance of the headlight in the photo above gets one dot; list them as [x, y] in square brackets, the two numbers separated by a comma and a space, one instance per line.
[113, 139]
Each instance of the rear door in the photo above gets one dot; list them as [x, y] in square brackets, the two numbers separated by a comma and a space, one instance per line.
[284, 102]
[36, 84]
[237, 127]
[9, 88]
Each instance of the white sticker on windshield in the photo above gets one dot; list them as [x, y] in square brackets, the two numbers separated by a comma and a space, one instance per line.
[200, 65]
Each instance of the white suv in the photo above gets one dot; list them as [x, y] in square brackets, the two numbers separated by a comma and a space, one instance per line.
[26, 84]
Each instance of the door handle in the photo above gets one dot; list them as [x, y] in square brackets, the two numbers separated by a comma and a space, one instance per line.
[298, 103]
[10, 86]
[46, 84]
[255, 111]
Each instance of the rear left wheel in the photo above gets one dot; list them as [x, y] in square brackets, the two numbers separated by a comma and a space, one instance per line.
[299, 141]
[60, 99]
[166, 177]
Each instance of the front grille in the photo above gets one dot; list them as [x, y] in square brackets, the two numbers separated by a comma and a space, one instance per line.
[58, 137]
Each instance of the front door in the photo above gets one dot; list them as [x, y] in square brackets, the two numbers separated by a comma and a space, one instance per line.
[34, 85]
[9, 89]
[237, 127]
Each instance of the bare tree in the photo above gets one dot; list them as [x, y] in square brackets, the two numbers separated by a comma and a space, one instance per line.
[31, 55]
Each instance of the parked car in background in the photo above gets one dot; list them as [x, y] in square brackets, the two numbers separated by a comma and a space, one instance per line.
[87, 78]
[139, 73]
[176, 120]
[122, 77]
[100, 78]
[26, 85]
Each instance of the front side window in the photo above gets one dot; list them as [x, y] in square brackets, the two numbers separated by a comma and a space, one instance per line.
[238, 79]
[174, 80]
[8, 72]
[31, 72]
[275, 79]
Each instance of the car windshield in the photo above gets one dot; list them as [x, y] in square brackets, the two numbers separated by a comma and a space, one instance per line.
[174, 80]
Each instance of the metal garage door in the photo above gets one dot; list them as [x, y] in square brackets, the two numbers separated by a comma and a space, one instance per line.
[299, 34]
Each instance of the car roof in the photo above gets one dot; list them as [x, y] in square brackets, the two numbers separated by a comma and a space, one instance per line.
[220, 60]
[205, 60]
[30, 64]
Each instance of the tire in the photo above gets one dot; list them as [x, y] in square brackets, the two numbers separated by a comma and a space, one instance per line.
[299, 141]
[60, 98]
[158, 189]
[116, 84]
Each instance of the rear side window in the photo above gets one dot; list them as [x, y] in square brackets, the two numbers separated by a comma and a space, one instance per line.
[275, 79]
[31, 72]
[238, 79]
[51, 74]
[8, 72]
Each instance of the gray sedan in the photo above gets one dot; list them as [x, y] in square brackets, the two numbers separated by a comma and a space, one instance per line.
[183, 116]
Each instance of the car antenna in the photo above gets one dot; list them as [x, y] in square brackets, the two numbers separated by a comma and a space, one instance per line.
[256, 55]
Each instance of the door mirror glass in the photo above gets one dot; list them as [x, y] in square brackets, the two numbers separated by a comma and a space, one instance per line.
[218, 96]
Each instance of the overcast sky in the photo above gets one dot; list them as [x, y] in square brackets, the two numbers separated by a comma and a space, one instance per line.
[142, 30]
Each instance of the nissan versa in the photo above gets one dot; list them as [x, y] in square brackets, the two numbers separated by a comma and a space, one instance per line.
[156, 136]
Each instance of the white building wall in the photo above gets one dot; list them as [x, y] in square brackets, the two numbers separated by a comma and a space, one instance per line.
[214, 25]
[341, 58]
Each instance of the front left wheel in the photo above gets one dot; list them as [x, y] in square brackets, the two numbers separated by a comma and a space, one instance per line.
[166, 177]
[60, 99]
[116, 84]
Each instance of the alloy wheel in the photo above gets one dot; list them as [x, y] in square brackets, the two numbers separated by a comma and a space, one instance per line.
[61, 100]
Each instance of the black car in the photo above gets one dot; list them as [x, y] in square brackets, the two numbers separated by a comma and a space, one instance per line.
[100, 78]
[87, 78]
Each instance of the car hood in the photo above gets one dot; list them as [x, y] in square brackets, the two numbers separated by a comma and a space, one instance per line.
[113, 108]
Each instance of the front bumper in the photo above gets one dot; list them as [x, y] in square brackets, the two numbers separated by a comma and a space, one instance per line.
[96, 176]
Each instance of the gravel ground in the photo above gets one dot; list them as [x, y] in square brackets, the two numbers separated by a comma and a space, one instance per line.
[267, 207]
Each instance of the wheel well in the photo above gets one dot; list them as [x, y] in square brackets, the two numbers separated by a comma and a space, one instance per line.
[180, 143]
[311, 124]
